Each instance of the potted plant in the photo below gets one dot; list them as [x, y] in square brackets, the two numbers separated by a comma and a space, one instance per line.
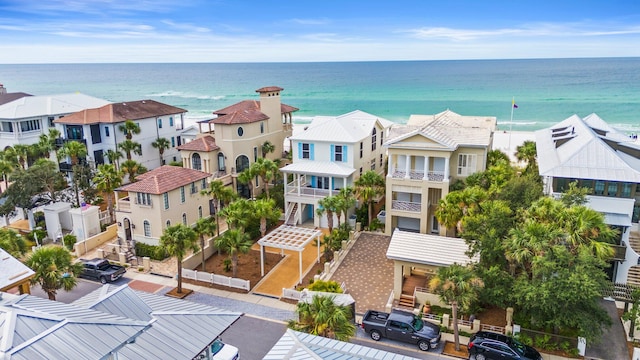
[426, 307]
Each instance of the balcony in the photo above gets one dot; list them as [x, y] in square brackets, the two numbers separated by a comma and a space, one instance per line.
[406, 206]
[305, 189]
[124, 205]
[419, 175]
[60, 141]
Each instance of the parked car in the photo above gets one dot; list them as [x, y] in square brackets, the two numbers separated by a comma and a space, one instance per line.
[402, 326]
[485, 345]
[101, 270]
[222, 351]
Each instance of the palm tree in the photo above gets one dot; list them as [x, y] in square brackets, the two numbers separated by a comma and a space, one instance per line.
[6, 168]
[346, 200]
[54, 269]
[204, 226]
[458, 286]
[132, 168]
[129, 146]
[266, 169]
[107, 179]
[238, 213]
[75, 150]
[265, 209]
[323, 317]
[267, 148]
[218, 193]
[12, 243]
[129, 128]
[232, 242]
[161, 144]
[246, 177]
[114, 157]
[176, 241]
[47, 142]
[22, 153]
[369, 186]
[328, 205]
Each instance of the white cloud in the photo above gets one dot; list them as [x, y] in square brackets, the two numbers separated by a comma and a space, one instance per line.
[311, 21]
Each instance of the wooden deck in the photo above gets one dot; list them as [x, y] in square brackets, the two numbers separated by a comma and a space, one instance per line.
[411, 282]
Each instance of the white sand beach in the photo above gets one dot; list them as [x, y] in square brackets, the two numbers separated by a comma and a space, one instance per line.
[508, 141]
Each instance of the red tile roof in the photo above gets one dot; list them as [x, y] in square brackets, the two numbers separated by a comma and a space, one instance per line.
[206, 143]
[240, 117]
[163, 179]
[269, 89]
[120, 112]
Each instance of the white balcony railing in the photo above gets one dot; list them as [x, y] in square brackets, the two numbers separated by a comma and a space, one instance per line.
[311, 192]
[418, 175]
[406, 206]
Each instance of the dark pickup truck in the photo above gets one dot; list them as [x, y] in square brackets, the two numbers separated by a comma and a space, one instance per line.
[402, 326]
[100, 269]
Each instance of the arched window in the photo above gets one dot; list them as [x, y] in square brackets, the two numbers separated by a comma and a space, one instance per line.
[196, 162]
[373, 139]
[200, 212]
[242, 163]
[184, 219]
[221, 166]
[168, 223]
[147, 228]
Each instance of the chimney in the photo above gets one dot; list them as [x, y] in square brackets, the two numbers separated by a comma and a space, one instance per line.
[3, 90]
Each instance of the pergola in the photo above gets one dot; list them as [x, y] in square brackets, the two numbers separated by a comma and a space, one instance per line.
[287, 237]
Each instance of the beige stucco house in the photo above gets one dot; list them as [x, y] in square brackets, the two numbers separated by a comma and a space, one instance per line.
[162, 197]
[240, 131]
[424, 157]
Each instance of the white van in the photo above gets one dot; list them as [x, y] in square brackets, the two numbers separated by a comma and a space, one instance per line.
[222, 351]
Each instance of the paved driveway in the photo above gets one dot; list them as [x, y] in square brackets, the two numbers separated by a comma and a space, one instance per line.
[367, 273]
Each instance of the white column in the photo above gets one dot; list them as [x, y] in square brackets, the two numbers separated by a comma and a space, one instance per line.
[300, 265]
[389, 166]
[285, 175]
[344, 182]
[407, 164]
[446, 169]
[318, 242]
[298, 175]
[426, 168]
[262, 260]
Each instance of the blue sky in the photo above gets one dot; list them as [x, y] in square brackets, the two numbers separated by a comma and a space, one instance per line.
[87, 31]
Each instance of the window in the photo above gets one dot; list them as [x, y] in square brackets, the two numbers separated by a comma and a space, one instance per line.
[30, 125]
[165, 196]
[143, 199]
[51, 118]
[466, 164]
[373, 140]
[194, 188]
[173, 141]
[323, 182]
[360, 171]
[240, 131]
[106, 131]
[171, 121]
[599, 189]
[196, 162]
[306, 152]
[373, 164]
[361, 149]
[200, 212]
[168, 223]
[184, 219]
[381, 160]
[612, 188]
[7, 126]
[159, 123]
[203, 185]
[338, 153]
[261, 128]
[255, 153]
[626, 190]
[381, 137]
[147, 228]
[182, 198]
[435, 226]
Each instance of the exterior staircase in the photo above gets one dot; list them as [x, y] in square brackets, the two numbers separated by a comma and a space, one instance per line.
[290, 219]
[633, 276]
[128, 247]
[407, 301]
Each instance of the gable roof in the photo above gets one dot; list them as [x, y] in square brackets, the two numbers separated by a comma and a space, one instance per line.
[205, 143]
[163, 179]
[246, 111]
[12, 270]
[447, 130]
[121, 112]
[428, 249]
[587, 148]
[301, 346]
[40, 105]
[346, 128]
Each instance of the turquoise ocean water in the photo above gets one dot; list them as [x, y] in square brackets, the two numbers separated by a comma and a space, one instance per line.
[546, 90]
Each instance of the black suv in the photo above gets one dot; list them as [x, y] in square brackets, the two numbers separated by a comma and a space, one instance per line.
[487, 345]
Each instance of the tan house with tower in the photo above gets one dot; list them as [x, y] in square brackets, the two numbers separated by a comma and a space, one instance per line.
[424, 157]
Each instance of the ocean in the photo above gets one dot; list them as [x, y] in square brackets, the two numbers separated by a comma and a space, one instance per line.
[546, 90]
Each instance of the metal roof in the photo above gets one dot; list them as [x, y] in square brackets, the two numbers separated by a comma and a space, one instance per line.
[30, 106]
[617, 219]
[12, 270]
[428, 249]
[351, 127]
[321, 168]
[296, 345]
[587, 148]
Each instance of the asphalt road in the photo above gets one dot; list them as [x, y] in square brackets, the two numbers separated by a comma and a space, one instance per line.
[253, 336]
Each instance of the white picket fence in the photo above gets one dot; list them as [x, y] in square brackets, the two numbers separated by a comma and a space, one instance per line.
[216, 279]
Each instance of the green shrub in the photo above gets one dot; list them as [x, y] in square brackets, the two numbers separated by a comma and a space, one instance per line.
[543, 341]
[326, 286]
[524, 339]
[375, 225]
[151, 251]
[69, 240]
[227, 264]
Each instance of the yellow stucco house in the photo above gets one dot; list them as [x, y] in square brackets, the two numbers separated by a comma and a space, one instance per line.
[424, 157]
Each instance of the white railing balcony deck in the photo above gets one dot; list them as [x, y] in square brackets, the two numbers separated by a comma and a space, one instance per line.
[418, 175]
[124, 205]
[310, 192]
[406, 206]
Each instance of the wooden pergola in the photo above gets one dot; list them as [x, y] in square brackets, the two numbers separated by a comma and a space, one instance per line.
[287, 237]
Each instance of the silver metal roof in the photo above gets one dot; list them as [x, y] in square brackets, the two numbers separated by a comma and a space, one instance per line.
[321, 168]
[428, 249]
[41, 105]
[350, 128]
[12, 270]
[294, 345]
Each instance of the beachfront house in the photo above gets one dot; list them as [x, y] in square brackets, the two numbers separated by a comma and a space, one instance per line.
[162, 197]
[23, 118]
[330, 154]
[241, 130]
[98, 129]
[607, 162]
[425, 156]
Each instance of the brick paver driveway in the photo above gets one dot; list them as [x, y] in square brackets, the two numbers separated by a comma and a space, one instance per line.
[367, 273]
